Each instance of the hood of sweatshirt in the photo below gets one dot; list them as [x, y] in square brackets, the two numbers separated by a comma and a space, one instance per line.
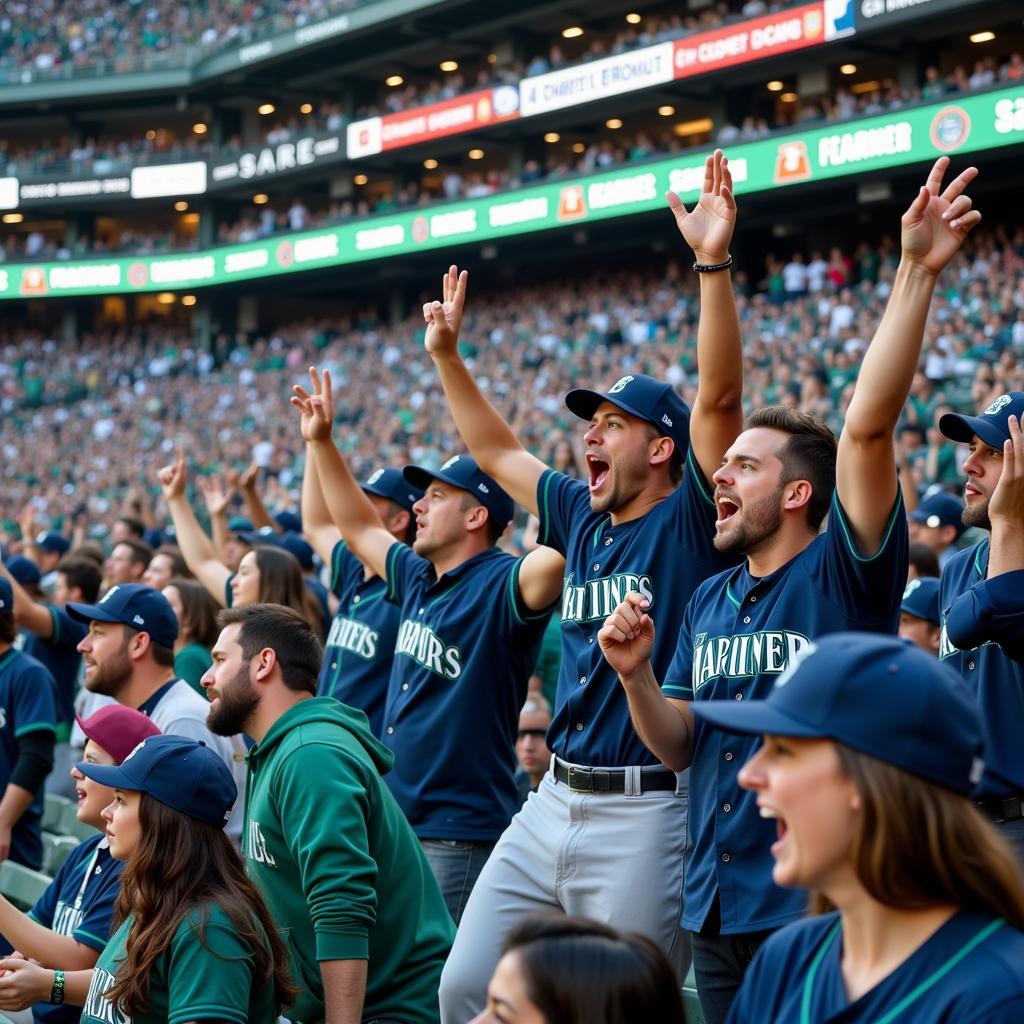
[316, 710]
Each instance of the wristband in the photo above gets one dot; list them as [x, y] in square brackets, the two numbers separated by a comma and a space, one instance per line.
[57, 992]
[710, 268]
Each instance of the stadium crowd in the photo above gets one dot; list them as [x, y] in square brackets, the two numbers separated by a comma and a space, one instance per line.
[319, 818]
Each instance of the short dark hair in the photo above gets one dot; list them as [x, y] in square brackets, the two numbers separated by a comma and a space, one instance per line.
[809, 454]
[395, 509]
[284, 631]
[8, 628]
[134, 524]
[924, 559]
[178, 566]
[578, 972]
[163, 656]
[82, 572]
[92, 552]
[493, 532]
[678, 457]
[142, 553]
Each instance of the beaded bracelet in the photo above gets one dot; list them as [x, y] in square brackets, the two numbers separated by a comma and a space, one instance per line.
[710, 268]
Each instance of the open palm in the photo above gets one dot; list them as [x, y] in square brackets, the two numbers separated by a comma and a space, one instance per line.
[444, 318]
[316, 407]
[708, 228]
[937, 222]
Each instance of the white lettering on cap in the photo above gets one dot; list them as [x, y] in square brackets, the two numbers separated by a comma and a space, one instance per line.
[666, 420]
[620, 385]
[794, 663]
[999, 404]
[110, 593]
[911, 586]
[134, 751]
[377, 474]
[451, 462]
[138, 620]
[483, 487]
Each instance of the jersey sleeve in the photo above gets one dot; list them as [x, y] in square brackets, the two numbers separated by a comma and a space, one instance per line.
[46, 906]
[868, 588]
[67, 632]
[515, 611]
[692, 513]
[561, 501]
[990, 611]
[33, 704]
[98, 913]
[346, 571]
[404, 567]
[209, 975]
[678, 681]
[229, 596]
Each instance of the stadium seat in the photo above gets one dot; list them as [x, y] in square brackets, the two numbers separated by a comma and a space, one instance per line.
[21, 885]
[71, 826]
[54, 807]
[691, 1004]
[56, 850]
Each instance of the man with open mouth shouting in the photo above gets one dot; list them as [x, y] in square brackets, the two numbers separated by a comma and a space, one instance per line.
[603, 836]
[741, 629]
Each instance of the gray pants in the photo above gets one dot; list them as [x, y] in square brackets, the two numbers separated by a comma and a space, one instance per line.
[613, 858]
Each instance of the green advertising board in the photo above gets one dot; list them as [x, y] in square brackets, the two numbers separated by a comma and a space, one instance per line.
[969, 124]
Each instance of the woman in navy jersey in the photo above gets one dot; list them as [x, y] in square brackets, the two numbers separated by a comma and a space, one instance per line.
[869, 759]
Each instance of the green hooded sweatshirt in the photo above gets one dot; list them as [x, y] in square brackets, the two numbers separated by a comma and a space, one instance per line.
[338, 865]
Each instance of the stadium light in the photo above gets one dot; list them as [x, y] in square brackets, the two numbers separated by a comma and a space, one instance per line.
[552, 137]
[266, 108]
[199, 128]
[13, 218]
[151, 134]
[872, 86]
[492, 58]
[613, 122]
[579, 147]
[165, 298]
[181, 206]
[666, 110]
[260, 198]
[188, 300]
[190, 218]
[775, 86]
[393, 81]
[697, 127]
[788, 97]
[306, 108]
[572, 32]
[848, 69]
[449, 65]
[633, 18]
[475, 154]
[430, 163]
[983, 37]
[360, 179]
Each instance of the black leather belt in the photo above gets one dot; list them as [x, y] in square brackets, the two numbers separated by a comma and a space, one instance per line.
[1007, 808]
[612, 780]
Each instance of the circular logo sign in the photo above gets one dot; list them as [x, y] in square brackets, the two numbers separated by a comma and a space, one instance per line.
[138, 275]
[420, 229]
[285, 254]
[950, 129]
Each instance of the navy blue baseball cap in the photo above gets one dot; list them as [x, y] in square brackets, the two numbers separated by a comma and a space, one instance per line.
[6, 596]
[183, 774]
[290, 522]
[461, 471]
[299, 547]
[50, 540]
[921, 599]
[132, 604]
[24, 570]
[264, 535]
[992, 426]
[239, 523]
[392, 484]
[642, 396]
[875, 694]
[941, 509]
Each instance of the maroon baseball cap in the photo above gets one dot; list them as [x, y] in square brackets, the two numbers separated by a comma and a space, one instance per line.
[117, 729]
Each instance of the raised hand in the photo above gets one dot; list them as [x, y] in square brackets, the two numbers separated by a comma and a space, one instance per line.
[708, 227]
[444, 319]
[247, 480]
[627, 636]
[174, 477]
[317, 408]
[215, 494]
[26, 520]
[937, 222]
[1007, 501]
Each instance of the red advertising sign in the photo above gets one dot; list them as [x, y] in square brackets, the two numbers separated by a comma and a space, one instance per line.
[433, 121]
[752, 40]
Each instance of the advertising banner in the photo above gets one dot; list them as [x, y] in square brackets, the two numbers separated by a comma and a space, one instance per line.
[285, 156]
[159, 180]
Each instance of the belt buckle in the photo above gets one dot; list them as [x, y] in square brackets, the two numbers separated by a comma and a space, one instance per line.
[581, 780]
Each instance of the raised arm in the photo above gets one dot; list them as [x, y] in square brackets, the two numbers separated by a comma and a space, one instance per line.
[489, 438]
[196, 547]
[717, 416]
[32, 615]
[663, 723]
[317, 524]
[247, 485]
[351, 510]
[933, 229]
[540, 578]
[38, 942]
[217, 499]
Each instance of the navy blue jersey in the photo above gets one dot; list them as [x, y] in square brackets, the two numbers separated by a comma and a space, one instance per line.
[968, 972]
[26, 705]
[79, 902]
[361, 640]
[60, 655]
[319, 592]
[465, 649]
[738, 635]
[996, 679]
[663, 555]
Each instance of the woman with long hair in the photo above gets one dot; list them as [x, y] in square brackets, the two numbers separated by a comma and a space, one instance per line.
[568, 970]
[194, 940]
[197, 629]
[869, 760]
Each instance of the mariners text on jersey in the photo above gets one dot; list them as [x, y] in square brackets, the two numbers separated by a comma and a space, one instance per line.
[748, 654]
[353, 636]
[419, 642]
[597, 599]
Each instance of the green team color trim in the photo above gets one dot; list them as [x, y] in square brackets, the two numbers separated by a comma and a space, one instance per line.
[967, 124]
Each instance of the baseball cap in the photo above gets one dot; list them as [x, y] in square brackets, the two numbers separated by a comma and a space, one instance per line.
[184, 774]
[649, 399]
[462, 471]
[236, 524]
[6, 596]
[392, 484]
[264, 535]
[24, 570]
[992, 426]
[132, 604]
[290, 522]
[117, 729]
[876, 694]
[941, 509]
[921, 599]
[50, 540]
[299, 547]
